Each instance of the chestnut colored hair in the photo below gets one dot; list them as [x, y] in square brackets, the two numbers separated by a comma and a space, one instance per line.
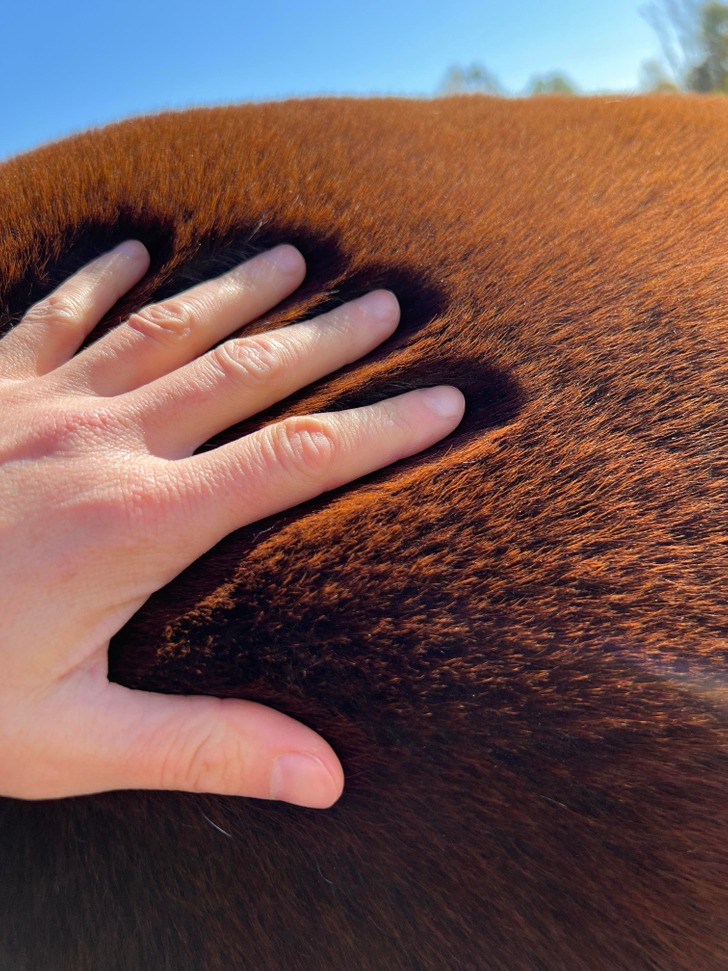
[515, 641]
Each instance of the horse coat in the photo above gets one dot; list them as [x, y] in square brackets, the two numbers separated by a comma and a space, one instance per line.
[515, 641]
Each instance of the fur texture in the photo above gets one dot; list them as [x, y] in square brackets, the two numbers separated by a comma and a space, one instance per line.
[515, 641]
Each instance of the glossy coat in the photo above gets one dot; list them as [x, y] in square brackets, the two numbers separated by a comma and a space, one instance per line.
[515, 641]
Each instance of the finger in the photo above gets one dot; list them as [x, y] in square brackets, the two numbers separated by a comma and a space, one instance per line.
[242, 377]
[52, 330]
[163, 336]
[297, 459]
[108, 737]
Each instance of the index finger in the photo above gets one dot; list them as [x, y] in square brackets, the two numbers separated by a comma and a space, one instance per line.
[297, 459]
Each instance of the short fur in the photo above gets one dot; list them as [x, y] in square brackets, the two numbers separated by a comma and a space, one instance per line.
[515, 641]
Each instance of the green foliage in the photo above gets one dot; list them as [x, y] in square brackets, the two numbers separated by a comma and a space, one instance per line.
[475, 79]
[654, 77]
[693, 35]
[694, 40]
[554, 82]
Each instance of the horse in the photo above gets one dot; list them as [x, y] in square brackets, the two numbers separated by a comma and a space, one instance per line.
[516, 640]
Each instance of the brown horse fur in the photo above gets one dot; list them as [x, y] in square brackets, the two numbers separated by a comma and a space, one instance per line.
[515, 641]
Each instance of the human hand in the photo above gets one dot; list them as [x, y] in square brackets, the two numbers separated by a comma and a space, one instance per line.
[102, 502]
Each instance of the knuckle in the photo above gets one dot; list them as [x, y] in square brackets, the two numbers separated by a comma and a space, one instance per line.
[71, 429]
[131, 504]
[204, 758]
[143, 497]
[304, 447]
[172, 320]
[100, 449]
[57, 309]
[398, 417]
[257, 359]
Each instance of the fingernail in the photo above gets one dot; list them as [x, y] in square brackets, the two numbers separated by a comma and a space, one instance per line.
[286, 258]
[445, 401]
[132, 249]
[302, 780]
[380, 304]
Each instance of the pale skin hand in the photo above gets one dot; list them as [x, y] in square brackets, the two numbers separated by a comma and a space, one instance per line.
[102, 502]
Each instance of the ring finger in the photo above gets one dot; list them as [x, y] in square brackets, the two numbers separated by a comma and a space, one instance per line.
[164, 336]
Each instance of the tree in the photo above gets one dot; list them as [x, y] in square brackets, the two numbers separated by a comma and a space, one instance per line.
[654, 77]
[694, 39]
[711, 74]
[475, 79]
[552, 83]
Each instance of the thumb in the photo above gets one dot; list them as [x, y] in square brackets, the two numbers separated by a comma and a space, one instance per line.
[111, 737]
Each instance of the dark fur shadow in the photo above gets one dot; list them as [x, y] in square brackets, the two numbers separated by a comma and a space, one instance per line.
[494, 398]
[62, 256]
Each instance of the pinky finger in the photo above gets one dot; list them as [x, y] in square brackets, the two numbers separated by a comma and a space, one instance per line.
[52, 330]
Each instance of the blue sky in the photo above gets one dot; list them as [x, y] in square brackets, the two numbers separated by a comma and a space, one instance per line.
[65, 66]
